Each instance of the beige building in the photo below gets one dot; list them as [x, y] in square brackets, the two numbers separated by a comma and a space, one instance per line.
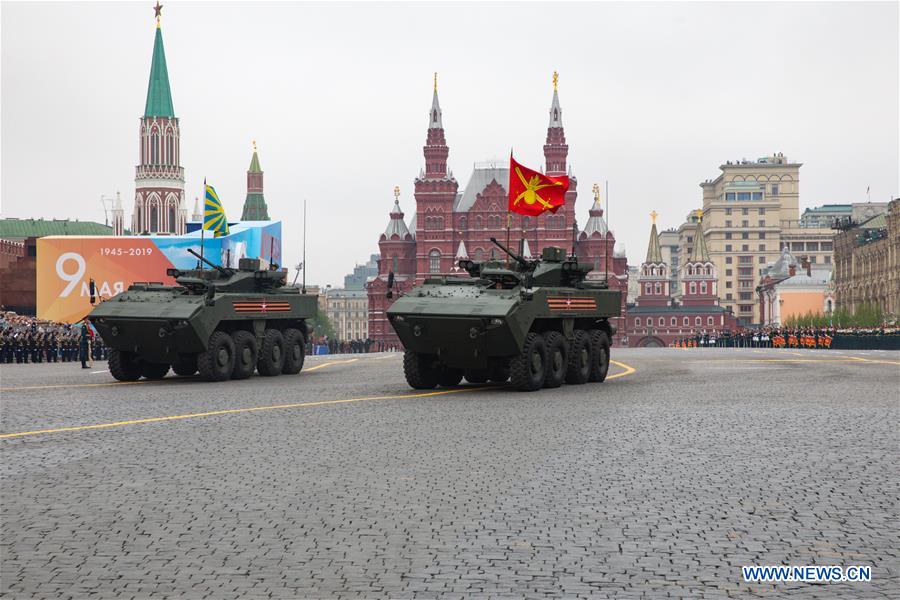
[745, 211]
[867, 263]
[348, 312]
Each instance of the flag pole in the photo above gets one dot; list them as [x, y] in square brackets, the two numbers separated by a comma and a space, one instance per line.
[202, 223]
[607, 232]
[304, 246]
[508, 215]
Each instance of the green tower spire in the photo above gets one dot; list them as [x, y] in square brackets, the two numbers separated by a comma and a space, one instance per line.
[159, 95]
[255, 208]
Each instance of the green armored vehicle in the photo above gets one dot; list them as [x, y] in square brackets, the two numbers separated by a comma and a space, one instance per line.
[536, 323]
[223, 322]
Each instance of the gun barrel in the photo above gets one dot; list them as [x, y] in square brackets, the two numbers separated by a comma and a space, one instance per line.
[512, 254]
[219, 268]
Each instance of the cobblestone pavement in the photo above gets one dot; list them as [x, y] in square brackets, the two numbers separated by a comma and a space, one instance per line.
[658, 483]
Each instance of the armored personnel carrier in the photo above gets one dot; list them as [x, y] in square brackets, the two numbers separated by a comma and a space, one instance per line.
[535, 323]
[223, 322]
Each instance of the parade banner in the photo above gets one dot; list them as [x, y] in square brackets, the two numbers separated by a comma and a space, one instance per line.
[66, 264]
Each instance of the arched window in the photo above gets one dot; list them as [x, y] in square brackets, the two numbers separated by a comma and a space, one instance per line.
[154, 217]
[154, 148]
[693, 287]
[674, 321]
[658, 288]
[637, 321]
[698, 321]
[394, 263]
[479, 224]
[462, 223]
[434, 261]
[171, 218]
[662, 322]
[685, 321]
[648, 289]
[702, 287]
[709, 321]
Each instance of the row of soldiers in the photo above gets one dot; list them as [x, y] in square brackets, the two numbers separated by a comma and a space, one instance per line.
[761, 338]
[24, 339]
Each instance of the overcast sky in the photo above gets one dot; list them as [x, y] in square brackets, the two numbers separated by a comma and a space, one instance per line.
[654, 96]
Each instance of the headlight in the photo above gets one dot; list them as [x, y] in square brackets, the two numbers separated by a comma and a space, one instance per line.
[114, 330]
[398, 318]
[417, 330]
[473, 332]
[496, 321]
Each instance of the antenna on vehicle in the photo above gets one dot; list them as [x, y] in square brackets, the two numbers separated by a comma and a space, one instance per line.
[304, 246]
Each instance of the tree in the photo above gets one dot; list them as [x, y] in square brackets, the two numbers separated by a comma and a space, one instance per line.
[322, 326]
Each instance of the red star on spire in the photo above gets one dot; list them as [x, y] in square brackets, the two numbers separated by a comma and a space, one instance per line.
[158, 9]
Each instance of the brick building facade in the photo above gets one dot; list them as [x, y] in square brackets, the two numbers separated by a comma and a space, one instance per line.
[449, 224]
[657, 319]
[867, 263]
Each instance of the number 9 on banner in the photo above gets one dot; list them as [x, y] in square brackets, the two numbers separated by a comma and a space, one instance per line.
[71, 278]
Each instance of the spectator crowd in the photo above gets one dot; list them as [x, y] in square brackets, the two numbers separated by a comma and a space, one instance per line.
[789, 337]
[25, 339]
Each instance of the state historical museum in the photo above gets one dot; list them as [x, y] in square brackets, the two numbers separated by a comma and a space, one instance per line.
[450, 224]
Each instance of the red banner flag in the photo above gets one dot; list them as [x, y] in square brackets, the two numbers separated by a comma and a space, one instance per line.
[532, 193]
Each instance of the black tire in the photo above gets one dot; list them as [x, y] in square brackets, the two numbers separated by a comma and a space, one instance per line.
[294, 351]
[580, 357]
[124, 366]
[420, 371]
[499, 373]
[154, 370]
[557, 359]
[185, 365]
[271, 355]
[246, 353]
[450, 377]
[477, 375]
[217, 362]
[600, 360]
[526, 371]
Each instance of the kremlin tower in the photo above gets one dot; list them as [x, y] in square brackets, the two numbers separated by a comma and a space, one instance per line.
[159, 204]
[255, 204]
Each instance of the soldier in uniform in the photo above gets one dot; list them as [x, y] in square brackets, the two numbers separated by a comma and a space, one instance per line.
[85, 344]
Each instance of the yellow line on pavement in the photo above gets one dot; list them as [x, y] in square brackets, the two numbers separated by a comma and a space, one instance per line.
[112, 383]
[799, 360]
[628, 370]
[230, 411]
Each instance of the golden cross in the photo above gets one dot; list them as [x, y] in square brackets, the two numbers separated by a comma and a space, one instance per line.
[254, 145]
[653, 216]
[435, 81]
[596, 190]
[555, 80]
[397, 193]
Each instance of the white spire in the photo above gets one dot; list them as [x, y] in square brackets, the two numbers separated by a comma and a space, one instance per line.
[197, 216]
[461, 251]
[526, 251]
[434, 116]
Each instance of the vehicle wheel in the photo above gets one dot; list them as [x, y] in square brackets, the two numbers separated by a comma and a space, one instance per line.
[294, 351]
[124, 366]
[154, 370]
[580, 358]
[185, 365]
[499, 373]
[420, 371]
[217, 363]
[476, 375]
[271, 356]
[526, 371]
[450, 377]
[600, 360]
[245, 355]
[557, 359]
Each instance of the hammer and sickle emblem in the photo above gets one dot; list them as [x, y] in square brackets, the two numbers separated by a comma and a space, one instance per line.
[530, 195]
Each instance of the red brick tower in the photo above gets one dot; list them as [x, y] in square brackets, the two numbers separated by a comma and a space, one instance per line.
[653, 280]
[398, 256]
[698, 274]
[159, 178]
[435, 192]
[556, 151]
